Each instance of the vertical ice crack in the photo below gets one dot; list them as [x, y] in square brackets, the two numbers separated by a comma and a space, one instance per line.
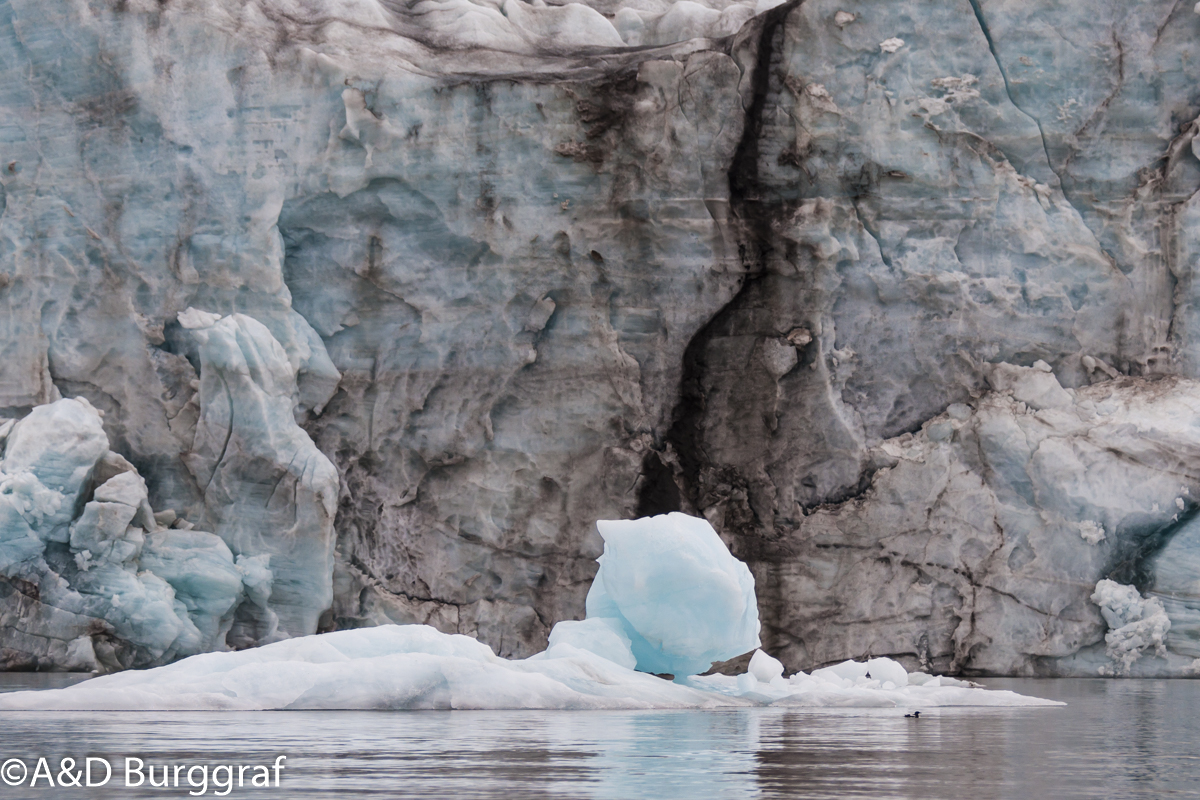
[1062, 184]
[987, 34]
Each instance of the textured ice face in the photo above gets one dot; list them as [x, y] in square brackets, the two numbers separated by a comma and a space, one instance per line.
[1176, 585]
[95, 580]
[517, 26]
[496, 270]
[991, 538]
[268, 490]
[681, 598]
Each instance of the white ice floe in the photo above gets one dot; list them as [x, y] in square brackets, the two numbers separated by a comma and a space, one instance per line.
[671, 596]
[416, 667]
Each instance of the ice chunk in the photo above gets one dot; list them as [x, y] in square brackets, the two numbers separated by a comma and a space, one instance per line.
[778, 356]
[891, 45]
[765, 668]
[104, 531]
[81, 655]
[1035, 386]
[885, 669]
[1091, 531]
[604, 637]
[681, 598]
[59, 444]
[846, 671]
[1135, 623]
[194, 318]
[416, 667]
[201, 570]
[128, 488]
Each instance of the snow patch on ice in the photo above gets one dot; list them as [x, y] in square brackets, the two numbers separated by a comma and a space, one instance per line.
[1091, 531]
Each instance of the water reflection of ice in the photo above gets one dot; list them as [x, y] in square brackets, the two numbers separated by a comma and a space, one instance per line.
[1124, 739]
[679, 755]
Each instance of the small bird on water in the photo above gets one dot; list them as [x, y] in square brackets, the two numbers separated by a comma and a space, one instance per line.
[914, 715]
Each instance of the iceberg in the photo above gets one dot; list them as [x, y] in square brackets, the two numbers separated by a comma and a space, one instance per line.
[673, 586]
[412, 667]
[680, 597]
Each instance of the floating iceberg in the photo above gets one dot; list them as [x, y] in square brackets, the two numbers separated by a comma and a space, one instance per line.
[416, 667]
[670, 584]
[668, 596]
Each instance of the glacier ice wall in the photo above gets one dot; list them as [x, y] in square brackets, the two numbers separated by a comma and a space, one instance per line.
[94, 579]
[269, 493]
[533, 265]
[983, 535]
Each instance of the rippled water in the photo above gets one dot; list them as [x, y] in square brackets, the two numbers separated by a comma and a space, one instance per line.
[1118, 739]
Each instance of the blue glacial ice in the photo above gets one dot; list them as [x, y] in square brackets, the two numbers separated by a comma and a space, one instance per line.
[679, 593]
[96, 580]
[673, 588]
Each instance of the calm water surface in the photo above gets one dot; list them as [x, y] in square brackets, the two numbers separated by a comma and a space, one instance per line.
[1115, 739]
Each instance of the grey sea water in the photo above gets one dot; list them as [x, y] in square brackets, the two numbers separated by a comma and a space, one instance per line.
[1114, 739]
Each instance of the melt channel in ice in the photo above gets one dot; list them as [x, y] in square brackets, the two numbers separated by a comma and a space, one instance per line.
[668, 594]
